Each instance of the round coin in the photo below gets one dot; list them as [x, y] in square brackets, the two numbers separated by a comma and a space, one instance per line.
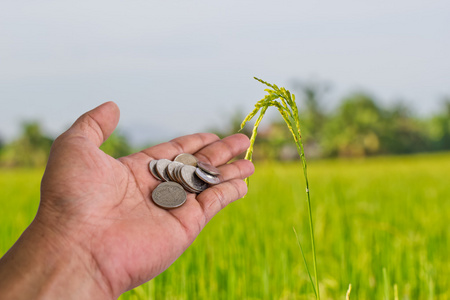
[152, 168]
[206, 177]
[187, 159]
[188, 189]
[161, 166]
[169, 195]
[187, 175]
[171, 169]
[208, 168]
[176, 173]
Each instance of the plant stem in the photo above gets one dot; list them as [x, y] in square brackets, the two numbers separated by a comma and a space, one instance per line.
[311, 227]
[301, 152]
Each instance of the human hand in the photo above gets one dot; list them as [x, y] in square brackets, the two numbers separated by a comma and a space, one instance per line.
[97, 212]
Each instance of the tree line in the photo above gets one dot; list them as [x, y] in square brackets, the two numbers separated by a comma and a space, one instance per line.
[358, 127]
[32, 147]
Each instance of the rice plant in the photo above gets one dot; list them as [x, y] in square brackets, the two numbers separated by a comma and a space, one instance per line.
[379, 212]
[284, 101]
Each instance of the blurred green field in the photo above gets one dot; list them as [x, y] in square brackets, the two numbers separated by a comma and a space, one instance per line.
[381, 224]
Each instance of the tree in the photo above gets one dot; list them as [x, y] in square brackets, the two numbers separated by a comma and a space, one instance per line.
[439, 127]
[356, 129]
[31, 149]
[403, 133]
[117, 145]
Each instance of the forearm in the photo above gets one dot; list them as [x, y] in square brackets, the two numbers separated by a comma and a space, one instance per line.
[39, 266]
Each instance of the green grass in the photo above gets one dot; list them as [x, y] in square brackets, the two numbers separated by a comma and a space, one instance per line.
[379, 223]
[19, 200]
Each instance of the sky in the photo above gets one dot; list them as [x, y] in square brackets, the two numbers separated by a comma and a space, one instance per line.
[179, 67]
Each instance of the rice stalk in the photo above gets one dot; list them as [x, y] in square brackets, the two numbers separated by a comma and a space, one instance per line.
[284, 101]
[347, 296]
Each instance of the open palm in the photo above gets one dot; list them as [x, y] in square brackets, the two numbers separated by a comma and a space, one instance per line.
[103, 205]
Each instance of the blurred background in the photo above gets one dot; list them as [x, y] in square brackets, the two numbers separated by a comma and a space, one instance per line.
[372, 84]
[370, 77]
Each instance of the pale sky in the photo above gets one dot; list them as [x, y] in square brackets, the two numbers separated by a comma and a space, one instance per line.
[178, 67]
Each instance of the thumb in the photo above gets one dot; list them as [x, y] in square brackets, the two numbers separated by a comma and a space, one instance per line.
[97, 125]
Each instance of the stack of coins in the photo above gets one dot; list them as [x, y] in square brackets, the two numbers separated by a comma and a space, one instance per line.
[185, 173]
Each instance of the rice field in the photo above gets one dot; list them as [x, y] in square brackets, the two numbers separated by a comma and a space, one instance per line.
[381, 224]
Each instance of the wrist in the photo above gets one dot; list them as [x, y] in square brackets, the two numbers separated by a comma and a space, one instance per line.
[44, 265]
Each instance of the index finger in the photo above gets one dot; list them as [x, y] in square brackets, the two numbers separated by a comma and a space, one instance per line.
[221, 151]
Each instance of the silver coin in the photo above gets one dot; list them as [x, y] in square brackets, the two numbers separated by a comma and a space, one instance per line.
[152, 168]
[188, 189]
[187, 175]
[206, 177]
[161, 166]
[169, 195]
[208, 168]
[177, 175]
[187, 159]
[171, 168]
